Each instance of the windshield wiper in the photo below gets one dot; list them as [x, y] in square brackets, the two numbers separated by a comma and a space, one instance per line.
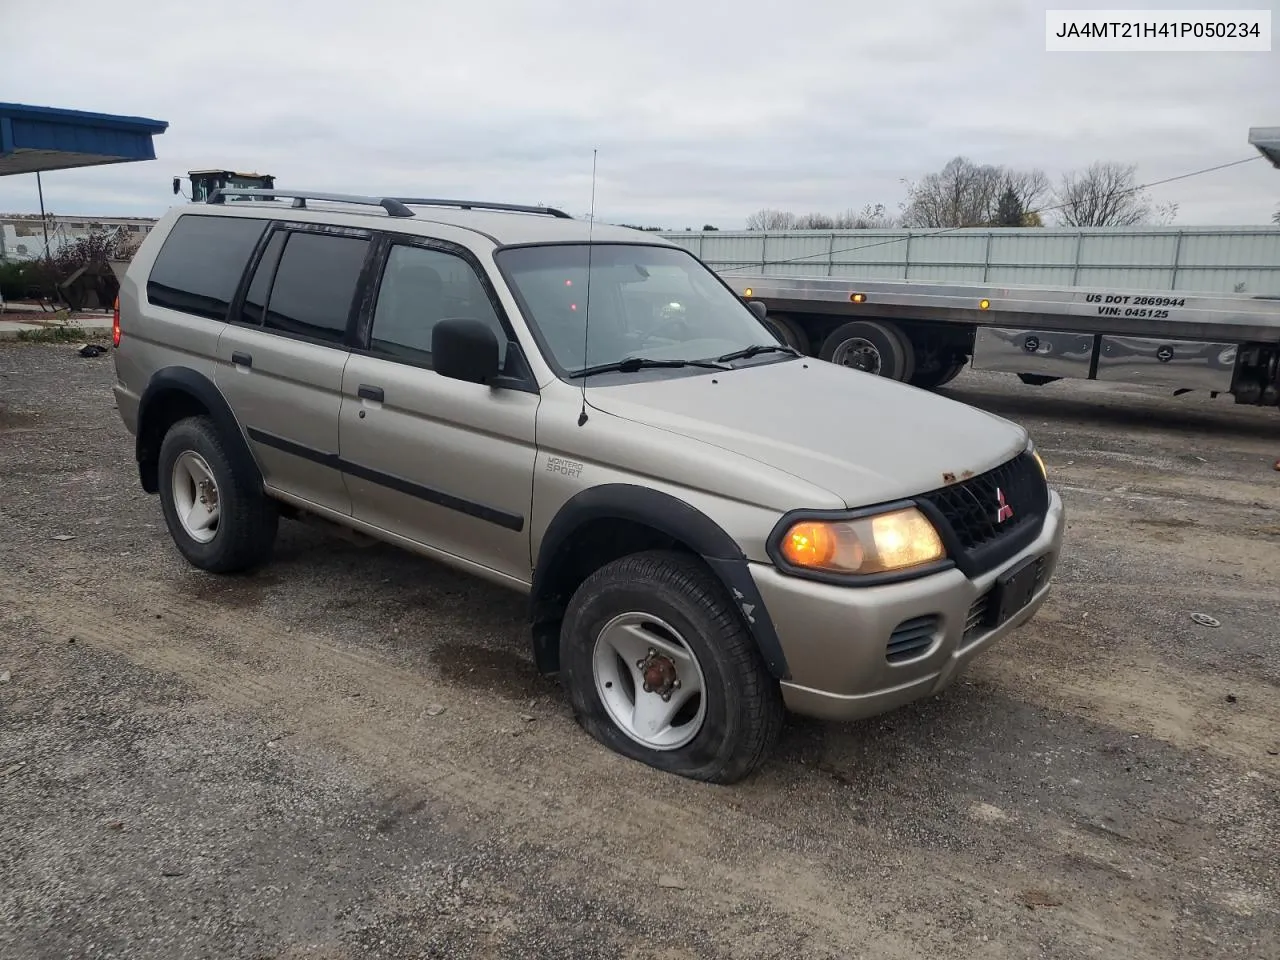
[632, 364]
[757, 348]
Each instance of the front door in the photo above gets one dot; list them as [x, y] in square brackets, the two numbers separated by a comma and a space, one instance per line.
[443, 463]
[281, 360]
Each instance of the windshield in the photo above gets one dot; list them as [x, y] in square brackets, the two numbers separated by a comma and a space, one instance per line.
[658, 303]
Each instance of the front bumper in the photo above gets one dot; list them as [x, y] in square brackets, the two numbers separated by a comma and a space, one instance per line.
[837, 639]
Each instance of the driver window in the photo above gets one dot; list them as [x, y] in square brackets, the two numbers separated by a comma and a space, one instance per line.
[419, 288]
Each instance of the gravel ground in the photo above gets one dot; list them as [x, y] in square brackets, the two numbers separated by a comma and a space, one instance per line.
[350, 755]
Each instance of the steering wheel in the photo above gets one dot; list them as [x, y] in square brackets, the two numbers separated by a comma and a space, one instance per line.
[657, 333]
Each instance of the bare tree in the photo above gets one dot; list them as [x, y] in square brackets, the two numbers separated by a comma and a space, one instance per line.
[966, 194]
[814, 221]
[870, 217]
[1105, 194]
[1275, 217]
[771, 220]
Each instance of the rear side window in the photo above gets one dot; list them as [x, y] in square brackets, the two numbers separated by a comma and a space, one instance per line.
[315, 284]
[200, 264]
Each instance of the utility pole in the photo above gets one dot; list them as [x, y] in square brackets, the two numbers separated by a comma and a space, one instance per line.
[44, 223]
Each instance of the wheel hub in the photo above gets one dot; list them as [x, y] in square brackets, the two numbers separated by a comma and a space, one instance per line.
[208, 493]
[659, 673]
[649, 680]
[858, 353]
[195, 496]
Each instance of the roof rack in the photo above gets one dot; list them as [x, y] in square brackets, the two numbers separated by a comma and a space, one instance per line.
[394, 207]
[484, 205]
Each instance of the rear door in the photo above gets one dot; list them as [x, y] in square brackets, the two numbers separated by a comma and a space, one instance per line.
[443, 463]
[281, 359]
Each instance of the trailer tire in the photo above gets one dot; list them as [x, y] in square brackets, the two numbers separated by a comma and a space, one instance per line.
[877, 348]
[791, 333]
[938, 376]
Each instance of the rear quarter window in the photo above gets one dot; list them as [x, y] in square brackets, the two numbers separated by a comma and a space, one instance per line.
[200, 264]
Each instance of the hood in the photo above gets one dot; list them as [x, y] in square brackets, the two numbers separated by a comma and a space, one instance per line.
[864, 438]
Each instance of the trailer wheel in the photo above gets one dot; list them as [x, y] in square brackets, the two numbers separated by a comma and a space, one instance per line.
[871, 347]
[791, 332]
[932, 379]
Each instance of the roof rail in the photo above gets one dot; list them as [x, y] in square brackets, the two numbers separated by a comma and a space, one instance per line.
[394, 207]
[484, 205]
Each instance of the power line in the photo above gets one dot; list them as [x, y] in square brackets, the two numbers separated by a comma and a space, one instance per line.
[1060, 206]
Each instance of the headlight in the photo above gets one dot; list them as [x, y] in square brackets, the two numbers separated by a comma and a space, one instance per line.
[882, 543]
[1031, 449]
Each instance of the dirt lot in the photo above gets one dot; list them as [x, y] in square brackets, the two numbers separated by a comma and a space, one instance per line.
[350, 754]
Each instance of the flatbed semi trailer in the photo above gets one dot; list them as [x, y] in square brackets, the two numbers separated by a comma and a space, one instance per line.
[925, 333]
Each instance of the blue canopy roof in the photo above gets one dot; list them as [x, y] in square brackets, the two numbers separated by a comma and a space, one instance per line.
[1267, 140]
[35, 139]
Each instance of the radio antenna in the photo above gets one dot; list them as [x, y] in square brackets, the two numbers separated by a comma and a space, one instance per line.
[586, 317]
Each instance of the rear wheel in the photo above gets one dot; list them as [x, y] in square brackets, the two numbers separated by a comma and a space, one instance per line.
[219, 519]
[871, 347]
[660, 668]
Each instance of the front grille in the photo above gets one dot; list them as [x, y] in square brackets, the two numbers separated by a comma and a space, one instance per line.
[911, 638]
[992, 516]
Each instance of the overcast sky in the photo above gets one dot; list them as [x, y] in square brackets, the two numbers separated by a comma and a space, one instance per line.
[702, 110]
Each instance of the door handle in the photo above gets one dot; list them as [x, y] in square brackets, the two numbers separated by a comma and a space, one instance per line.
[370, 393]
[241, 359]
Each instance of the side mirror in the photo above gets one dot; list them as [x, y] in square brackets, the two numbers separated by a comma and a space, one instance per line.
[177, 185]
[758, 308]
[464, 349]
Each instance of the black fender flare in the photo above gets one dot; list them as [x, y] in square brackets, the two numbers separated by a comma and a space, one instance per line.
[677, 519]
[164, 383]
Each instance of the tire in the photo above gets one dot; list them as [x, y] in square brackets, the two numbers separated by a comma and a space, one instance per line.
[885, 351]
[242, 535]
[791, 333]
[932, 379]
[719, 735]
[778, 330]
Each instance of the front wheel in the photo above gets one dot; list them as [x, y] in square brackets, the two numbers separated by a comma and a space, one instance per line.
[660, 668]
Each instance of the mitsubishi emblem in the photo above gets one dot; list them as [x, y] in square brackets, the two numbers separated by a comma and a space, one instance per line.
[1003, 510]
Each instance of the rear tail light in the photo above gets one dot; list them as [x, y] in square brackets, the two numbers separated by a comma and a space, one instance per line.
[115, 323]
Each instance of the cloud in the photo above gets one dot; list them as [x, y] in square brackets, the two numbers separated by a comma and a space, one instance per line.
[701, 111]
